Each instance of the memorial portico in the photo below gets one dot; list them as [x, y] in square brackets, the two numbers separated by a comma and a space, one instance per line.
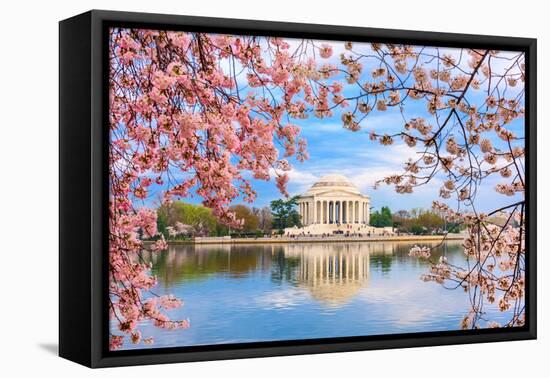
[334, 203]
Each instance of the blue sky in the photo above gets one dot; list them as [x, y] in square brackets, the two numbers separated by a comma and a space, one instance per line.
[334, 149]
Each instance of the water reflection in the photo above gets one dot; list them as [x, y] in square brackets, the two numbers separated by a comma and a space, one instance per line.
[190, 263]
[262, 292]
[333, 274]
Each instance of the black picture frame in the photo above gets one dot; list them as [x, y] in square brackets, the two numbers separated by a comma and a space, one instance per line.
[83, 246]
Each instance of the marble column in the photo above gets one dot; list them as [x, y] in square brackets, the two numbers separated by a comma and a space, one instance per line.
[346, 207]
[344, 212]
[315, 221]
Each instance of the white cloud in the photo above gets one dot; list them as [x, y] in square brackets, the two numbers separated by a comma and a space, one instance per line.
[282, 299]
[364, 169]
[324, 127]
[299, 180]
[301, 177]
[395, 155]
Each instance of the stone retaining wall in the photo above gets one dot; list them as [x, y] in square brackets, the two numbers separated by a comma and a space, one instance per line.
[318, 239]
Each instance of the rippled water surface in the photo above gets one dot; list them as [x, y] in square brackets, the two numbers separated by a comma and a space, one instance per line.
[266, 292]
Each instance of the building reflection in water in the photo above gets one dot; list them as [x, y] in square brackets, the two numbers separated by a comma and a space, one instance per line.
[332, 273]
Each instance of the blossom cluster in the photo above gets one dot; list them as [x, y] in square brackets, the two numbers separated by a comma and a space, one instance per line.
[201, 114]
[497, 274]
[180, 119]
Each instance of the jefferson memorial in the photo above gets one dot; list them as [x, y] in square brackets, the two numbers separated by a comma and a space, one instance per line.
[333, 205]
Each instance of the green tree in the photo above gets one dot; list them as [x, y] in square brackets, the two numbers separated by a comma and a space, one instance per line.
[430, 221]
[285, 214]
[420, 221]
[382, 218]
[162, 222]
[200, 218]
[417, 229]
[251, 221]
[401, 220]
[386, 217]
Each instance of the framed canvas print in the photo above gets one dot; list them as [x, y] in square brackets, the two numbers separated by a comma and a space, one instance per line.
[233, 188]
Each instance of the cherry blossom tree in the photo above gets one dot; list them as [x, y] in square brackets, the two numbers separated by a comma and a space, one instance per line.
[204, 114]
[180, 117]
[474, 99]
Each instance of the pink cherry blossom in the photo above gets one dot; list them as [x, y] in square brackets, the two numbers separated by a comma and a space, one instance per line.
[325, 51]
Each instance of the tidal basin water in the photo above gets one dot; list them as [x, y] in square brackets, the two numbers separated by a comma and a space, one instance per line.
[266, 292]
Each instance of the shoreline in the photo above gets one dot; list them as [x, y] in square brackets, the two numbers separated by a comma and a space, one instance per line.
[317, 239]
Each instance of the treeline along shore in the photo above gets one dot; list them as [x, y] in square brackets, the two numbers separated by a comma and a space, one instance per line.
[316, 239]
[179, 221]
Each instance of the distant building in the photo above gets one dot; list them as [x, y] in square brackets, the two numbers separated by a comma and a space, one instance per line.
[334, 205]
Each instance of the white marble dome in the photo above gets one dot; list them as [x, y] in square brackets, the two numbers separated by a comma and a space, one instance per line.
[332, 182]
[335, 203]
